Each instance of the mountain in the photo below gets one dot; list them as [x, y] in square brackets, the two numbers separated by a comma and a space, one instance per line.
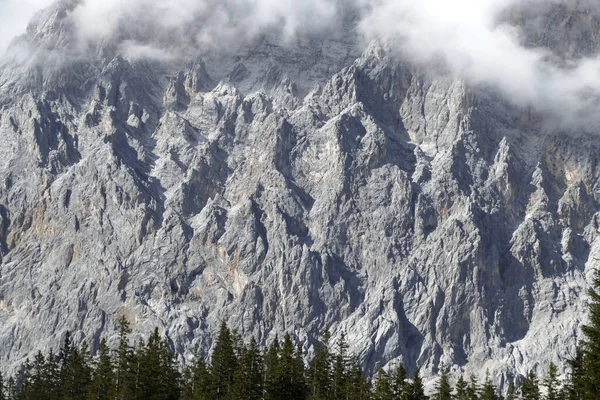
[292, 187]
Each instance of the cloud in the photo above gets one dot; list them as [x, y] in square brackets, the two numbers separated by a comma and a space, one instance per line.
[14, 16]
[520, 47]
[208, 24]
[478, 40]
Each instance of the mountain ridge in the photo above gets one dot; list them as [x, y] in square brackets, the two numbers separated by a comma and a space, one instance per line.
[431, 220]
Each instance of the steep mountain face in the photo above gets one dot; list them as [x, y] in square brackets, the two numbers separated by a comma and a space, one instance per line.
[289, 189]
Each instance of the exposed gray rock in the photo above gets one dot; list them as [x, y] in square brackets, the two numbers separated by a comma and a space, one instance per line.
[295, 191]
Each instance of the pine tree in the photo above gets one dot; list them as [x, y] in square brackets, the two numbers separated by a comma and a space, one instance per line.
[123, 372]
[443, 390]
[52, 374]
[551, 383]
[400, 386]
[25, 390]
[248, 377]
[223, 363]
[473, 389]
[103, 386]
[488, 391]
[511, 392]
[271, 368]
[382, 387]
[340, 369]
[198, 384]
[576, 388]
[417, 391]
[530, 388]
[289, 381]
[2, 388]
[359, 385]
[12, 391]
[591, 344]
[38, 378]
[169, 378]
[461, 389]
[319, 370]
[299, 373]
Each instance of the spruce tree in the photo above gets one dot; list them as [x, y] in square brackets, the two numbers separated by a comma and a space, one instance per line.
[340, 369]
[52, 374]
[103, 386]
[511, 392]
[399, 384]
[461, 389]
[123, 368]
[198, 382]
[417, 391]
[12, 390]
[248, 377]
[299, 373]
[530, 387]
[551, 383]
[591, 344]
[26, 380]
[289, 382]
[473, 389]
[443, 390]
[488, 391]
[360, 388]
[319, 370]
[382, 387]
[223, 363]
[576, 388]
[271, 368]
[38, 381]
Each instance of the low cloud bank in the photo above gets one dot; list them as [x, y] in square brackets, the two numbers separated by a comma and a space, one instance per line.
[500, 43]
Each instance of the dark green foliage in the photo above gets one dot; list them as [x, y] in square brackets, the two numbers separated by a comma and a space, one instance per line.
[511, 392]
[248, 377]
[125, 382]
[341, 366]
[462, 392]
[197, 380]
[576, 387]
[417, 391]
[530, 389]
[382, 387]
[401, 387]
[473, 388]
[103, 386]
[270, 370]
[488, 391]
[590, 382]
[156, 373]
[443, 390]
[359, 385]
[319, 370]
[223, 363]
[241, 370]
[551, 383]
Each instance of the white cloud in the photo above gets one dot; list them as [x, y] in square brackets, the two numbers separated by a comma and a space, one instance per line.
[469, 35]
[14, 16]
[474, 41]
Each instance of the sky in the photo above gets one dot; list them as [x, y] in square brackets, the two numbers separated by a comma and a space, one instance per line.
[14, 15]
[468, 35]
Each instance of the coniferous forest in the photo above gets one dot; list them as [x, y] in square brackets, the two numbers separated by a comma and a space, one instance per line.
[242, 370]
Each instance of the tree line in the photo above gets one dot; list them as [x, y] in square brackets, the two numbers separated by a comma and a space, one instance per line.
[282, 371]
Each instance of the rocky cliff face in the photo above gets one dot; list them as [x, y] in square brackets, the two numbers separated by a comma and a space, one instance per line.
[289, 190]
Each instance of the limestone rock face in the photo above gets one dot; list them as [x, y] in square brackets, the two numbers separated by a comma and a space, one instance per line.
[290, 190]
